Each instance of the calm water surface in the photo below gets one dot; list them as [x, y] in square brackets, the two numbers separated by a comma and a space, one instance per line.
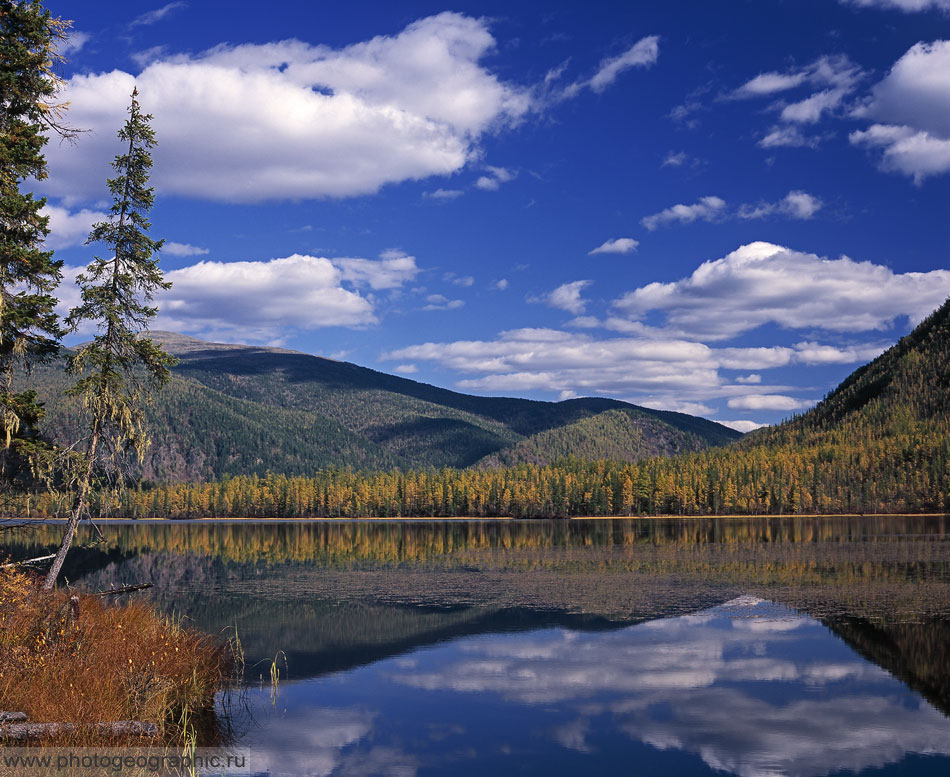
[751, 647]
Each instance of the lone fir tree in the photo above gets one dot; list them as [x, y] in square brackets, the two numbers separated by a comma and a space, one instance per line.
[29, 328]
[119, 367]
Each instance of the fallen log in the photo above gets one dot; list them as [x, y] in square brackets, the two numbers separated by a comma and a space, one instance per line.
[125, 589]
[25, 732]
[12, 717]
[27, 562]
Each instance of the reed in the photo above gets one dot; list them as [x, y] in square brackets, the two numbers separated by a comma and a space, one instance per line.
[75, 658]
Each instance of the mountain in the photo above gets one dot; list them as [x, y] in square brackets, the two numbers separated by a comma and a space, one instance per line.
[237, 409]
[904, 392]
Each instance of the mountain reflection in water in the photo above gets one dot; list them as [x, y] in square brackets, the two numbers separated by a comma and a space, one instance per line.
[752, 646]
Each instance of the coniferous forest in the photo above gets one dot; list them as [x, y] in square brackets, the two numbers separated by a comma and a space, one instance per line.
[879, 443]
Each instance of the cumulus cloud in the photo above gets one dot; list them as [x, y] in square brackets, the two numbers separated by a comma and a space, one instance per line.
[73, 43]
[441, 302]
[68, 228]
[768, 402]
[444, 194]
[911, 108]
[289, 120]
[260, 301]
[707, 209]
[764, 283]
[795, 205]
[668, 373]
[743, 426]
[620, 245]
[183, 249]
[908, 6]
[787, 136]
[495, 178]
[567, 297]
[666, 683]
[392, 270]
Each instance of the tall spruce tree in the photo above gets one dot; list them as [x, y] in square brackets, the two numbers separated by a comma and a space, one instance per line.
[119, 368]
[29, 328]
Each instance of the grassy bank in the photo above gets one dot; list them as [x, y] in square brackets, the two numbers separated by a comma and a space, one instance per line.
[111, 663]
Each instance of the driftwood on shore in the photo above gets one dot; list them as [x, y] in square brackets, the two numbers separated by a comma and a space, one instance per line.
[14, 728]
[124, 589]
[27, 562]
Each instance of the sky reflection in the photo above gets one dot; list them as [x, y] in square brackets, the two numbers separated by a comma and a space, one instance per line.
[748, 688]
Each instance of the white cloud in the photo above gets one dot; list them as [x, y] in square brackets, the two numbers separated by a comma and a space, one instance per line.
[829, 71]
[620, 245]
[74, 42]
[678, 406]
[795, 205]
[501, 284]
[917, 154]
[495, 178]
[289, 120]
[643, 53]
[816, 353]
[743, 426]
[260, 301]
[832, 81]
[811, 109]
[768, 402]
[261, 298]
[392, 270]
[908, 6]
[183, 249]
[67, 228]
[749, 379]
[441, 302]
[674, 160]
[458, 280]
[151, 17]
[567, 297]
[655, 369]
[912, 108]
[406, 369]
[763, 283]
[769, 83]
[707, 209]
[666, 683]
[444, 194]
[787, 136]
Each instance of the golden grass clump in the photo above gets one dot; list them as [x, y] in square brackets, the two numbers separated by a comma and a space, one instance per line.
[112, 663]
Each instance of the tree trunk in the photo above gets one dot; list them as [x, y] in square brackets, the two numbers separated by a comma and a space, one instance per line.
[50, 582]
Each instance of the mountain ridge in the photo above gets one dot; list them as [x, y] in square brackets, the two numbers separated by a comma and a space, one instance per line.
[234, 409]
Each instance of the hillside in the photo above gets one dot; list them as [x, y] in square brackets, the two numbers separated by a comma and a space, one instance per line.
[904, 391]
[235, 409]
[618, 435]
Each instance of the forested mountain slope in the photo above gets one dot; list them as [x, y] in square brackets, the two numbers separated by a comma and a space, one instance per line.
[234, 409]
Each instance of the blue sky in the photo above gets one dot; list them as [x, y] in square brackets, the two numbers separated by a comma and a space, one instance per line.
[716, 207]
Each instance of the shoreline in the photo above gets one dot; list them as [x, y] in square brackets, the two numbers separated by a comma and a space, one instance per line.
[12, 522]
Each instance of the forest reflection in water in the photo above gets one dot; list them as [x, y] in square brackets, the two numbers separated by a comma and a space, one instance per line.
[586, 638]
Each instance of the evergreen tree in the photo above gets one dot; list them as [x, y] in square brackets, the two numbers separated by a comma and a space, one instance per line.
[117, 370]
[29, 328]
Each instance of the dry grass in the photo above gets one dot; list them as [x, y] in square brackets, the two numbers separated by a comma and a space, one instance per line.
[113, 663]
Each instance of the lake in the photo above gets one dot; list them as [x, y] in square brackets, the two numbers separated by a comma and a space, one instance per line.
[744, 646]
